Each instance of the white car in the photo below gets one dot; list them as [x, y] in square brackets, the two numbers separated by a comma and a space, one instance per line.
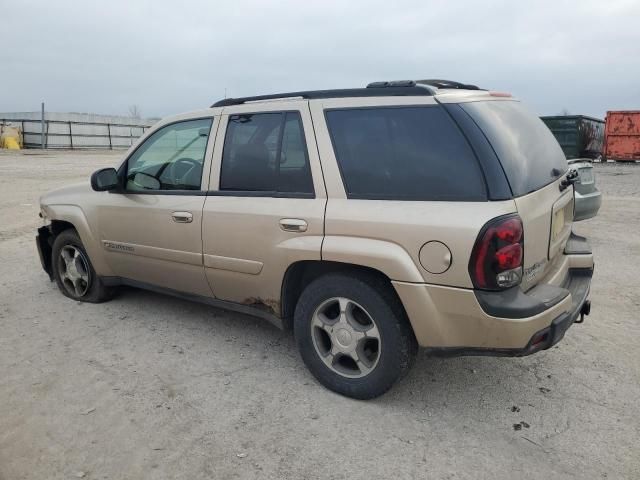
[587, 197]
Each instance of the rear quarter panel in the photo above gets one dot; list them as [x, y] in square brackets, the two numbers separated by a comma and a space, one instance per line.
[388, 235]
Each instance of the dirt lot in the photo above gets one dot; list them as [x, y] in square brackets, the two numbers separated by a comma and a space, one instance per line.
[147, 386]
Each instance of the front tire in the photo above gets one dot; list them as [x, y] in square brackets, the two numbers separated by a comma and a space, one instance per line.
[353, 334]
[73, 272]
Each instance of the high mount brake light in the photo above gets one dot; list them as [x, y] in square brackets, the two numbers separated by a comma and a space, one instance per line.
[496, 259]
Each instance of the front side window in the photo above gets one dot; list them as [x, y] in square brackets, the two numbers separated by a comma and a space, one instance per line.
[404, 153]
[266, 152]
[170, 159]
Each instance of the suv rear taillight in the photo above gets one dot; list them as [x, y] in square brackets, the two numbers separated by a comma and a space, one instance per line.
[496, 259]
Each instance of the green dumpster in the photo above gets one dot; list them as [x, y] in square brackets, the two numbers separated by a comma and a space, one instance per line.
[578, 135]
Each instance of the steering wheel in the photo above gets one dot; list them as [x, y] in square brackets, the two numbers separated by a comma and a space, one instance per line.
[181, 168]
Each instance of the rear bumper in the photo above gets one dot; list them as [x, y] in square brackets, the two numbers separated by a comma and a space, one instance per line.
[587, 205]
[455, 321]
[578, 286]
[551, 335]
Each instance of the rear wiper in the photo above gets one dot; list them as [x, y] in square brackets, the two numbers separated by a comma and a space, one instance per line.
[570, 179]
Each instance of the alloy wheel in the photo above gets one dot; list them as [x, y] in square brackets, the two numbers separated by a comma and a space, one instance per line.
[345, 337]
[73, 268]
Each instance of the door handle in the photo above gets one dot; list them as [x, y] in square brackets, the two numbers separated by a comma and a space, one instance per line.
[182, 217]
[293, 225]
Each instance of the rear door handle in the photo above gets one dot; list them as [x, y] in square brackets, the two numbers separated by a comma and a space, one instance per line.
[182, 217]
[293, 225]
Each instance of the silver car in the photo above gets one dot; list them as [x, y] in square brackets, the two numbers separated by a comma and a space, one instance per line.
[587, 197]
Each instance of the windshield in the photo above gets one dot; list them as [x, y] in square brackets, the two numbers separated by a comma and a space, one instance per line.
[529, 153]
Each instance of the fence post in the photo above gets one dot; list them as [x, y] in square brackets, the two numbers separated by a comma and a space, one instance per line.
[42, 127]
[109, 133]
[70, 136]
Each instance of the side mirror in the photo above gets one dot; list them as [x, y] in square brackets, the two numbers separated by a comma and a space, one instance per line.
[105, 179]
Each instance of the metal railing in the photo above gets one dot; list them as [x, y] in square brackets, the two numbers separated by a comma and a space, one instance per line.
[77, 135]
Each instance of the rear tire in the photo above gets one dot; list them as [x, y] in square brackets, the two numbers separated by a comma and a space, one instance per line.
[353, 334]
[73, 272]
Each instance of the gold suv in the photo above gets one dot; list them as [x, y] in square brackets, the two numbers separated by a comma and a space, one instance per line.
[371, 221]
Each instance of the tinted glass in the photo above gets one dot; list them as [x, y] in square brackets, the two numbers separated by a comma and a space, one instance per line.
[404, 153]
[171, 158]
[528, 151]
[265, 152]
[295, 175]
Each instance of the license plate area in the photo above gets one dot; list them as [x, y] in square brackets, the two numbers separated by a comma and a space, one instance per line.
[561, 220]
[586, 175]
[558, 224]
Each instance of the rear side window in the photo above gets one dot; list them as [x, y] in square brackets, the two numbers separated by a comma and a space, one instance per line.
[529, 153]
[266, 152]
[404, 153]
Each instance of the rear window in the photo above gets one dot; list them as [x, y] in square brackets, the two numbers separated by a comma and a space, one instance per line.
[404, 153]
[529, 153]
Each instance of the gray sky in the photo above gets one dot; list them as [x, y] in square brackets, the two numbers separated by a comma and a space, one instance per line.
[167, 57]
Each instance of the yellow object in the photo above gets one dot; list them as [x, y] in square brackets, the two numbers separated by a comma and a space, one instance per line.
[10, 137]
[10, 143]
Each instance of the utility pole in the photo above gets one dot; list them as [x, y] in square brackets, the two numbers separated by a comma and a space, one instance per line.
[42, 127]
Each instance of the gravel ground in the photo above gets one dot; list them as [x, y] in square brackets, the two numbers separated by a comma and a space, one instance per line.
[147, 386]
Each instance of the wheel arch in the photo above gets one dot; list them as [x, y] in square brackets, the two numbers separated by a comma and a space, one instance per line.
[59, 226]
[301, 273]
[63, 217]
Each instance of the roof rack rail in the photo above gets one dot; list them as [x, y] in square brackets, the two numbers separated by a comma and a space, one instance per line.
[448, 84]
[393, 83]
[398, 89]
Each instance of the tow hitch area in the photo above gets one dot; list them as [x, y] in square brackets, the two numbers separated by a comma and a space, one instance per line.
[585, 310]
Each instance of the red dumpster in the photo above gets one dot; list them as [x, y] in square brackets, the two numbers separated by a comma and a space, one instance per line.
[622, 135]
